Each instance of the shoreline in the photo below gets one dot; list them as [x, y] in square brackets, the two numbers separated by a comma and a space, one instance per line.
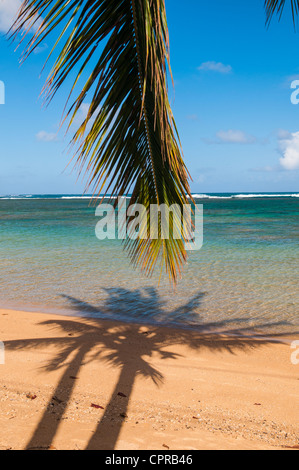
[255, 332]
[183, 389]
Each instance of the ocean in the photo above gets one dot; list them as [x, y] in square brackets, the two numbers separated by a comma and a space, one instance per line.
[245, 278]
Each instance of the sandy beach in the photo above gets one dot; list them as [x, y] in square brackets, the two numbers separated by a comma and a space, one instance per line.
[73, 383]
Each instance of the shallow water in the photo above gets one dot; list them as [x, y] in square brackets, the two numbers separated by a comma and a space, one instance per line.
[245, 276]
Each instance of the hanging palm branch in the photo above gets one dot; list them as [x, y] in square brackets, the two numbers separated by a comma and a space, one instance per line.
[277, 6]
[128, 141]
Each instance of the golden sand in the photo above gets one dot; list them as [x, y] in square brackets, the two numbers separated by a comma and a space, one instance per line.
[73, 383]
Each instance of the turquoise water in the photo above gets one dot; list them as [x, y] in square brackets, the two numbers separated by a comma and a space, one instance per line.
[246, 275]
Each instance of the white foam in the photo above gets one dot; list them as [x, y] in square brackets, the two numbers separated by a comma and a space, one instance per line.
[195, 196]
[243, 196]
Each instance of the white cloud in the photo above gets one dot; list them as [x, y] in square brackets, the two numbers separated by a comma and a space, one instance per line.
[81, 116]
[234, 137]
[82, 113]
[44, 136]
[40, 49]
[265, 169]
[216, 67]
[289, 147]
[192, 117]
[8, 13]
[282, 134]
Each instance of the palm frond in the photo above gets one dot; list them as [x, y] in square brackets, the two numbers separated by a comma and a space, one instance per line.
[277, 7]
[129, 139]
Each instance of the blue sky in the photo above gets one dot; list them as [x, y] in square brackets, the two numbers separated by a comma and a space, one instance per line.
[239, 129]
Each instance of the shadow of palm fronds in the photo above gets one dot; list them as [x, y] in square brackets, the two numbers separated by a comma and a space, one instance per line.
[86, 340]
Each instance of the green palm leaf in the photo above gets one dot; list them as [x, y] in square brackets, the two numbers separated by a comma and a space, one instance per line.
[128, 141]
[277, 7]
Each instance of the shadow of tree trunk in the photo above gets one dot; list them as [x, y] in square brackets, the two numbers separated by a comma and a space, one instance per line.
[109, 428]
[48, 426]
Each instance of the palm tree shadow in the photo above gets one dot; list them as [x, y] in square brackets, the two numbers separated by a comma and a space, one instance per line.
[89, 340]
